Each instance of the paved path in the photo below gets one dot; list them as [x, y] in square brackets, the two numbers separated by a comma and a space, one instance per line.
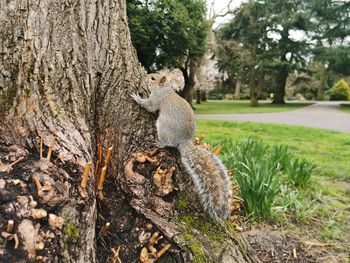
[325, 115]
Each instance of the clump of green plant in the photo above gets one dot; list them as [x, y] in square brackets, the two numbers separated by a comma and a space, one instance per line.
[299, 171]
[340, 91]
[263, 171]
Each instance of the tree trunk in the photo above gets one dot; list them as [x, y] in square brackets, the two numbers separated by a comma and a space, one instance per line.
[237, 89]
[204, 96]
[67, 71]
[323, 83]
[253, 89]
[198, 96]
[281, 81]
[188, 74]
[252, 81]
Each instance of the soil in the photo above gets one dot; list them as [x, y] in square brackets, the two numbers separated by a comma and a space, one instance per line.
[274, 246]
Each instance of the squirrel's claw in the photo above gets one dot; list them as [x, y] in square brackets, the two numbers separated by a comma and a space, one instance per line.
[136, 97]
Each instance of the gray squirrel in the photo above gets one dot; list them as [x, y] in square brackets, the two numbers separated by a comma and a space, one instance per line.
[175, 127]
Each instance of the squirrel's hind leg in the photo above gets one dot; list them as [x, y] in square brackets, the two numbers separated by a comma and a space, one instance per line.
[165, 137]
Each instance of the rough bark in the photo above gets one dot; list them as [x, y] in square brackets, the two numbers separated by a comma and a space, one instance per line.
[204, 96]
[237, 89]
[67, 70]
[281, 81]
[253, 89]
[198, 96]
[323, 83]
[252, 80]
[189, 77]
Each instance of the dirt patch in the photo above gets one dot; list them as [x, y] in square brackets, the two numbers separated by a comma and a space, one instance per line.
[274, 246]
[31, 209]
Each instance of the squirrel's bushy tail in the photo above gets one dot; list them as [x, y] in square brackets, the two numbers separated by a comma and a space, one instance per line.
[210, 179]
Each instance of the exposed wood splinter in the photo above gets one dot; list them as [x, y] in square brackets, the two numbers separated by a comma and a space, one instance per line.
[144, 256]
[116, 258]
[217, 150]
[151, 160]
[96, 167]
[108, 156]
[155, 238]
[294, 253]
[49, 153]
[15, 237]
[163, 251]
[41, 148]
[10, 225]
[85, 175]
[9, 236]
[104, 229]
[100, 183]
[154, 151]
[37, 183]
[17, 161]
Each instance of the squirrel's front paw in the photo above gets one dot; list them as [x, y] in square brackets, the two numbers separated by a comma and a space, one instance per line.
[136, 97]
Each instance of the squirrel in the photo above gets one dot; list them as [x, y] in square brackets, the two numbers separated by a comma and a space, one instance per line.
[176, 127]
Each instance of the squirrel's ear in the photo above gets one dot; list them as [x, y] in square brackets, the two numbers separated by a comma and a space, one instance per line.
[162, 80]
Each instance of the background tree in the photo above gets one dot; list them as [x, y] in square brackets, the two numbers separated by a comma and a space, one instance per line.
[66, 72]
[175, 34]
[247, 28]
[265, 29]
[330, 28]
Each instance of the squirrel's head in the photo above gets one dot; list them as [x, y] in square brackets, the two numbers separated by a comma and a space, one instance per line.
[155, 80]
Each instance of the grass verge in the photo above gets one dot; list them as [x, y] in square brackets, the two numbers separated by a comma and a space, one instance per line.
[322, 208]
[231, 107]
[345, 107]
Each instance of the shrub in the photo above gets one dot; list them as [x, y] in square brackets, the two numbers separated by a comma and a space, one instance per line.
[229, 96]
[340, 91]
[212, 95]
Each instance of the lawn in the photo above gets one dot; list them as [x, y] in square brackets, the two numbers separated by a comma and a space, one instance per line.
[345, 107]
[229, 107]
[329, 150]
[325, 207]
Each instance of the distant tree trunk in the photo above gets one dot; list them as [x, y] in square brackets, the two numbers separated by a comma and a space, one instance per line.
[260, 83]
[237, 89]
[67, 70]
[189, 75]
[253, 89]
[198, 96]
[323, 83]
[252, 81]
[204, 96]
[281, 81]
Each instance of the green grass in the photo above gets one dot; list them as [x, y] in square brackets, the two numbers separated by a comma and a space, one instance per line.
[329, 150]
[230, 107]
[321, 208]
[345, 107]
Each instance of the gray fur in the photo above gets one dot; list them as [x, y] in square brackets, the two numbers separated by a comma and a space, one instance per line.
[176, 127]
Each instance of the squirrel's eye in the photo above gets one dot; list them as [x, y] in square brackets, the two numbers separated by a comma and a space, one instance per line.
[153, 78]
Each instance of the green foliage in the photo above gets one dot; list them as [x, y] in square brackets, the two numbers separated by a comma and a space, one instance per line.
[261, 29]
[214, 95]
[262, 172]
[340, 91]
[326, 199]
[299, 171]
[168, 33]
[331, 25]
